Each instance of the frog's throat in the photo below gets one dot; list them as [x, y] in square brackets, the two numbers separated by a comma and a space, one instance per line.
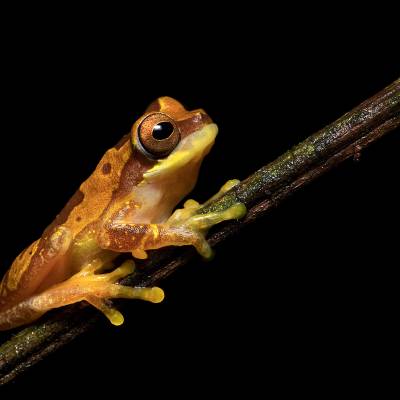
[192, 148]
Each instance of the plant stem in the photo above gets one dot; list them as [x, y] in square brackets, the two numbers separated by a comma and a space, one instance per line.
[263, 190]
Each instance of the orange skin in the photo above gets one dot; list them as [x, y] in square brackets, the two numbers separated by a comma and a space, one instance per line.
[124, 206]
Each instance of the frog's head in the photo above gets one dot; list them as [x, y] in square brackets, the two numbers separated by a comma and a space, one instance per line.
[173, 136]
[176, 140]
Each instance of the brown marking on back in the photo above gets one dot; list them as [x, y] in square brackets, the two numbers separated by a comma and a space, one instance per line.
[94, 195]
[99, 188]
[106, 168]
[122, 201]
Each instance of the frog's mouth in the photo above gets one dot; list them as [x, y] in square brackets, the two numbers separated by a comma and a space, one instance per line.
[191, 149]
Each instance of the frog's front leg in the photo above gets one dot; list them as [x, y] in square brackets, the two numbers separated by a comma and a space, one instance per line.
[89, 285]
[182, 228]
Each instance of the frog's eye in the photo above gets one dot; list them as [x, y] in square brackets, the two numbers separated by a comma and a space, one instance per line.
[158, 135]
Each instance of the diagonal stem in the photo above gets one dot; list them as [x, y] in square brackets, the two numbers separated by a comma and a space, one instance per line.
[263, 190]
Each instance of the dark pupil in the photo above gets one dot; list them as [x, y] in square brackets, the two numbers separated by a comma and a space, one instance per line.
[162, 130]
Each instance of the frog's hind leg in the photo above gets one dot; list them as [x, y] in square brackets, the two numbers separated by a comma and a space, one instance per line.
[96, 289]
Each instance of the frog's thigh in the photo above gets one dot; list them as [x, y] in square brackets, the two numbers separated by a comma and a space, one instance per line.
[48, 265]
[35, 267]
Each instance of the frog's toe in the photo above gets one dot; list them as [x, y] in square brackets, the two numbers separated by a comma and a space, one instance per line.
[101, 288]
[202, 222]
[191, 204]
[210, 255]
[203, 247]
[237, 211]
[126, 268]
[114, 316]
[224, 188]
[103, 304]
[152, 294]
[229, 185]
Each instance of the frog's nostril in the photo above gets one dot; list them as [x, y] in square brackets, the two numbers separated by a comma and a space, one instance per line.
[204, 117]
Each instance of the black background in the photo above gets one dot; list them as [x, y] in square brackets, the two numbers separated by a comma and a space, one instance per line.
[305, 295]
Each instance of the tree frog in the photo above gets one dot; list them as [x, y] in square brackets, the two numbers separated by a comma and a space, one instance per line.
[125, 206]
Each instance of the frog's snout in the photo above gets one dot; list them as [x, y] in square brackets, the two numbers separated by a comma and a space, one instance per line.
[202, 116]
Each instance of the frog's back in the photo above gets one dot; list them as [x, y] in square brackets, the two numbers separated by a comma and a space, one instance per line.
[77, 218]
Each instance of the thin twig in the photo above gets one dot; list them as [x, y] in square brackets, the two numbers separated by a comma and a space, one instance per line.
[261, 191]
